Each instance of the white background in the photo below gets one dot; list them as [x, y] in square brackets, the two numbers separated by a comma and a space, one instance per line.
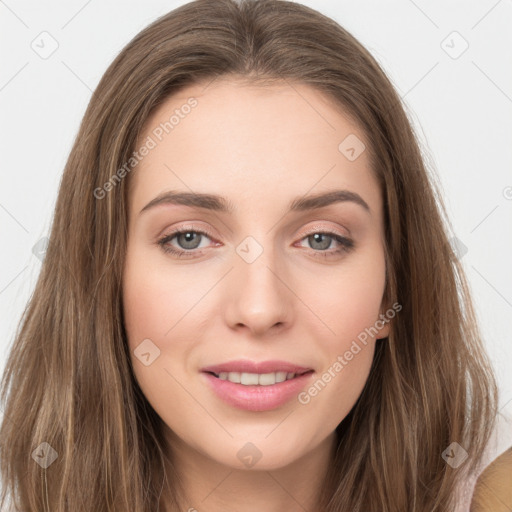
[461, 108]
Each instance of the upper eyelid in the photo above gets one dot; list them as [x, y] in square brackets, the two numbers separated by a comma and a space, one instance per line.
[204, 232]
[315, 227]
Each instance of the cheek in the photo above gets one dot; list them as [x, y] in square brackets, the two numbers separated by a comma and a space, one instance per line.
[166, 308]
[153, 311]
[347, 299]
[348, 353]
[334, 392]
[156, 301]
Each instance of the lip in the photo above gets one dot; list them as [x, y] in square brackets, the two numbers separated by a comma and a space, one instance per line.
[257, 398]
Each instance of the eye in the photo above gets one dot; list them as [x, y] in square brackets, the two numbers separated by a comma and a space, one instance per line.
[321, 241]
[189, 240]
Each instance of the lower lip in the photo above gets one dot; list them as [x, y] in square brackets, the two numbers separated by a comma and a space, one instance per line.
[257, 398]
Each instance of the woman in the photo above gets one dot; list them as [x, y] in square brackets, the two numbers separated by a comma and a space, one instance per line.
[261, 370]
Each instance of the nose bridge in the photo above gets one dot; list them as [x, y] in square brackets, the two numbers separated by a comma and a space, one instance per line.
[258, 298]
[256, 264]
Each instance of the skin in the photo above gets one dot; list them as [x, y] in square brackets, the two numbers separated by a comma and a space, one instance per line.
[260, 147]
[493, 492]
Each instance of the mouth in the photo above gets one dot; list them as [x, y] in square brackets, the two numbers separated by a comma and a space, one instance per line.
[252, 386]
[258, 379]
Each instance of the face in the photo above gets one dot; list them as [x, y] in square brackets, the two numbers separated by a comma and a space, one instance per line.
[263, 284]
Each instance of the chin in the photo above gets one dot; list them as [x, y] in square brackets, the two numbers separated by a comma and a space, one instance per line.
[261, 452]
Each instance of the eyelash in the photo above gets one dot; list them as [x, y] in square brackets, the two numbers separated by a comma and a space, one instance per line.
[346, 244]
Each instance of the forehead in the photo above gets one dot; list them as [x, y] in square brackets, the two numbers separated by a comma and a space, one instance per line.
[253, 144]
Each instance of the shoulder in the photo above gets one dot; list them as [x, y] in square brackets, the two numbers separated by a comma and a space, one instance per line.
[493, 489]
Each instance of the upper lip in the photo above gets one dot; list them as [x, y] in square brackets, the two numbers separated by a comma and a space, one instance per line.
[247, 366]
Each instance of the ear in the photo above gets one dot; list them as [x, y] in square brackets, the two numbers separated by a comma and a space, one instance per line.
[383, 323]
[384, 331]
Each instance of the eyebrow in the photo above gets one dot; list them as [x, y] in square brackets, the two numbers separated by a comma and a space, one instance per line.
[223, 205]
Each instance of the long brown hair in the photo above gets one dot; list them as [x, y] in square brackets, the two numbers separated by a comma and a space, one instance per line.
[68, 380]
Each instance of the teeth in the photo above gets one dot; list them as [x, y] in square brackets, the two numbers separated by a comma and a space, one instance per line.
[248, 379]
[254, 379]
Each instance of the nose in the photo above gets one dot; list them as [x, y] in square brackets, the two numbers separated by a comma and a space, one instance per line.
[258, 297]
